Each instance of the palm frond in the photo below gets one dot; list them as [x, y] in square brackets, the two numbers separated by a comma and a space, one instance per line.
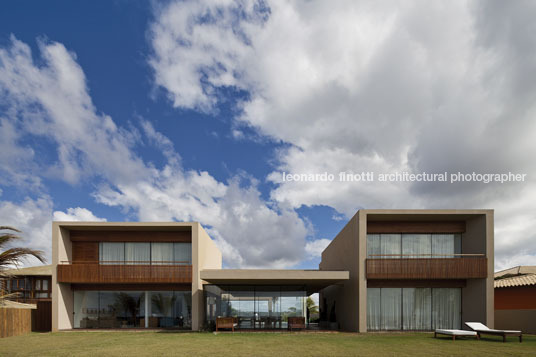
[13, 256]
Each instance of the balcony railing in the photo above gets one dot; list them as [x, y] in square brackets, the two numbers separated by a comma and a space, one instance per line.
[124, 272]
[430, 266]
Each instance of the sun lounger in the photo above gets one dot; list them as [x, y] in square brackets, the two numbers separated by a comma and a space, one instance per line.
[482, 329]
[455, 333]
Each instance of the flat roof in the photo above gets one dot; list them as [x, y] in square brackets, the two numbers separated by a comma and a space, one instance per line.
[313, 280]
[118, 226]
[422, 214]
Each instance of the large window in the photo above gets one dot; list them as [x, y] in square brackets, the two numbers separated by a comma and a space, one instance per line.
[422, 309]
[413, 245]
[259, 307]
[154, 253]
[132, 309]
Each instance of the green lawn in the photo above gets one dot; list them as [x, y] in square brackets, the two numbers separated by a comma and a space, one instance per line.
[257, 344]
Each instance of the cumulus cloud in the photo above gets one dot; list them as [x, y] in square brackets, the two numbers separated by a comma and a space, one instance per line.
[77, 214]
[315, 248]
[371, 86]
[49, 99]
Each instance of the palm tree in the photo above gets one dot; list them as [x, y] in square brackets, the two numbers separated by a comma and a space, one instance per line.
[13, 256]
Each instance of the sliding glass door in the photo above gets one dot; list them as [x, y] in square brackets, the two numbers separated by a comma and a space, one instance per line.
[418, 309]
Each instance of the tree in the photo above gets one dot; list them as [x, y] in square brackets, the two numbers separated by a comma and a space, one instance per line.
[14, 256]
[311, 307]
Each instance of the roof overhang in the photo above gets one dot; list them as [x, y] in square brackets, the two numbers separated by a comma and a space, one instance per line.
[313, 280]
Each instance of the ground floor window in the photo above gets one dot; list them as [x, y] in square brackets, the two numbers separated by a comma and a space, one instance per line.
[413, 308]
[132, 309]
[255, 307]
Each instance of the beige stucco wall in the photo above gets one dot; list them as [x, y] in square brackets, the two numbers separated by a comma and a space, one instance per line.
[342, 254]
[205, 255]
[62, 297]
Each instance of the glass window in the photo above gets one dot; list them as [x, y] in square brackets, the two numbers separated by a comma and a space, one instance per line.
[182, 253]
[373, 309]
[416, 245]
[391, 303]
[120, 309]
[138, 253]
[111, 253]
[443, 245]
[161, 253]
[86, 309]
[390, 247]
[417, 308]
[446, 308]
[38, 284]
[45, 284]
[373, 246]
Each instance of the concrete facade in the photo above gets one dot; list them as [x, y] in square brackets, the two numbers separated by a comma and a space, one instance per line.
[348, 252]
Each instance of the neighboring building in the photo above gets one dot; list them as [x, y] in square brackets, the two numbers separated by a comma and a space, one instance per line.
[31, 284]
[412, 270]
[515, 299]
[421, 269]
[165, 275]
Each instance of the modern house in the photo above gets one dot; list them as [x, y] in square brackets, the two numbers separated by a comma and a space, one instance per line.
[412, 270]
[165, 275]
[383, 267]
[515, 299]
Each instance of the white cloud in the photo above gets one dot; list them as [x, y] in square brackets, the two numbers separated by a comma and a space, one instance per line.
[77, 214]
[315, 248]
[51, 100]
[33, 218]
[371, 86]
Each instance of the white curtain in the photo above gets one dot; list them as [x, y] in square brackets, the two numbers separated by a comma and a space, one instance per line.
[138, 253]
[416, 244]
[373, 309]
[446, 308]
[446, 244]
[390, 244]
[182, 253]
[373, 245]
[391, 301]
[111, 253]
[161, 253]
[417, 308]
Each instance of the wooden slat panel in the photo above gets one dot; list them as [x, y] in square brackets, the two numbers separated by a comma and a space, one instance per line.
[131, 236]
[416, 227]
[85, 251]
[95, 273]
[133, 287]
[434, 268]
[15, 322]
[413, 283]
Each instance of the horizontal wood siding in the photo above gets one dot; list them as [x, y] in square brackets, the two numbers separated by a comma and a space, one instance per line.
[131, 236]
[416, 227]
[434, 268]
[85, 251]
[133, 287]
[516, 298]
[95, 273]
[15, 322]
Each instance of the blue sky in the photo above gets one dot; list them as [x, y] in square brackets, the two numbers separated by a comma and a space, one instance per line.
[127, 111]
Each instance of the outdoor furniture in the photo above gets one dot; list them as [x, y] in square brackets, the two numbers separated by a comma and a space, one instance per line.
[226, 322]
[482, 329]
[296, 322]
[455, 333]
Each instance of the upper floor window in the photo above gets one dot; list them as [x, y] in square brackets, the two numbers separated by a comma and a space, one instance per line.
[155, 253]
[384, 246]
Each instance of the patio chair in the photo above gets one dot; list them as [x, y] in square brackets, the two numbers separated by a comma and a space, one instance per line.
[482, 329]
[455, 333]
[226, 322]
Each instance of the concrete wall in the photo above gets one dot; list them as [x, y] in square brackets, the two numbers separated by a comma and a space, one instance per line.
[342, 254]
[62, 295]
[205, 255]
[478, 295]
[524, 320]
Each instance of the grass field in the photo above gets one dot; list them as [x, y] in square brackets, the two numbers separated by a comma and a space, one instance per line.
[257, 344]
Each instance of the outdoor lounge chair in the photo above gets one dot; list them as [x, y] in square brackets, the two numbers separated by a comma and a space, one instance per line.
[455, 333]
[226, 322]
[482, 329]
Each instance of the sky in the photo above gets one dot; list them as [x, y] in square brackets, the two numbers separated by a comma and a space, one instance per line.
[191, 111]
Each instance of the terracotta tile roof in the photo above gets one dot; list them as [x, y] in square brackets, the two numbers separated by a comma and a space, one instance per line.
[519, 280]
